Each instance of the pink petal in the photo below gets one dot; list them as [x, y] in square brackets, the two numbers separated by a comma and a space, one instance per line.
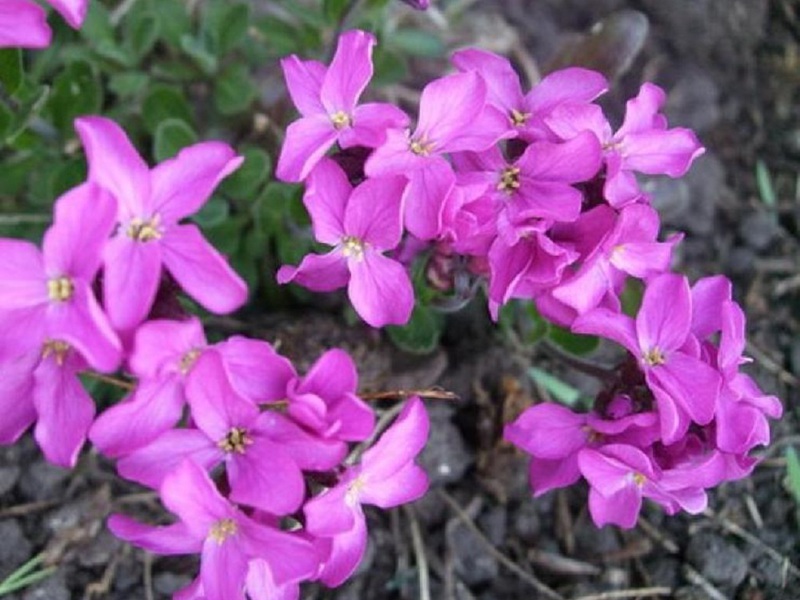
[370, 122]
[183, 184]
[399, 444]
[261, 585]
[609, 324]
[544, 200]
[585, 290]
[216, 407]
[577, 159]
[304, 82]
[546, 475]
[170, 539]
[151, 464]
[641, 112]
[265, 477]
[332, 376]
[643, 259]
[408, 484]
[330, 513]
[115, 165]
[223, 569]
[502, 81]
[621, 188]
[372, 214]
[621, 508]
[665, 316]
[73, 11]
[380, 290]
[83, 324]
[290, 557]
[346, 554]
[307, 450]
[571, 120]
[326, 196]
[424, 198]
[201, 271]
[84, 219]
[22, 331]
[448, 108]
[23, 282]
[694, 384]
[160, 345]
[349, 72]
[708, 296]
[16, 395]
[355, 417]
[23, 24]
[394, 156]
[255, 370]
[154, 407]
[65, 411]
[130, 280]
[548, 431]
[566, 85]
[318, 273]
[661, 152]
[307, 140]
[189, 493]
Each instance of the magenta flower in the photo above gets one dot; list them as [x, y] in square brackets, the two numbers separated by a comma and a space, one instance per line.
[328, 102]
[685, 387]
[23, 23]
[643, 144]
[263, 452]
[419, 4]
[386, 476]
[361, 224]
[151, 204]
[451, 119]
[48, 295]
[524, 114]
[227, 539]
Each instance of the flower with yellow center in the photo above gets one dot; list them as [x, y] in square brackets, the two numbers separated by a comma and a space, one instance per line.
[341, 120]
[145, 230]
[60, 289]
[509, 180]
[654, 356]
[421, 146]
[236, 441]
[222, 530]
[352, 247]
[517, 118]
[58, 349]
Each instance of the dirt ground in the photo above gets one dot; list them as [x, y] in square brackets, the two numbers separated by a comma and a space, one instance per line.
[732, 68]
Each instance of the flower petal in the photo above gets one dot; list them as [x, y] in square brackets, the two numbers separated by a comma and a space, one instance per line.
[318, 272]
[23, 24]
[327, 193]
[170, 539]
[349, 72]
[307, 140]
[372, 214]
[130, 280]
[380, 290]
[304, 82]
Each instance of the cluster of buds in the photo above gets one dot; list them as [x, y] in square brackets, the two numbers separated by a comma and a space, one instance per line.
[538, 196]
[254, 459]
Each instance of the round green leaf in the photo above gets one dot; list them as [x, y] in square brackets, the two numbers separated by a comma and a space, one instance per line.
[171, 136]
[164, 102]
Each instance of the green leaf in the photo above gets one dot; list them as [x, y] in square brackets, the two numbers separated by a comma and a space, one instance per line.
[765, 188]
[573, 342]
[144, 34]
[334, 9]
[558, 389]
[520, 318]
[164, 102]
[245, 181]
[6, 120]
[421, 334]
[417, 43]
[11, 72]
[128, 84]
[76, 91]
[171, 136]
[213, 213]
[196, 49]
[174, 20]
[793, 475]
[232, 30]
[234, 91]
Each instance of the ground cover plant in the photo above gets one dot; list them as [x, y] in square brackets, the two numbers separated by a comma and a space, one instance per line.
[524, 204]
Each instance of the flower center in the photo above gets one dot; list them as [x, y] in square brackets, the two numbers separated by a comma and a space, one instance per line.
[517, 118]
[60, 289]
[354, 490]
[58, 349]
[654, 357]
[187, 360]
[639, 479]
[421, 146]
[352, 247]
[341, 120]
[145, 230]
[237, 441]
[222, 530]
[509, 180]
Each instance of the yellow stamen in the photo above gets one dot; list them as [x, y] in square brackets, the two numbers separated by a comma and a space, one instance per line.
[353, 491]
[145, 230]
[187, 360]
[654, 357]
[58, 349]
[222, 530]
[639, 479]
[509, 180]
[517, 118]
[60, 289]
[352, 247]
[421, 147]
[237, 441]
[341, 120]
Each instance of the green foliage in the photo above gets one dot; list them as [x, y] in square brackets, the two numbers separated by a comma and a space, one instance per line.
[793, 477]
[26, 575]
[559, 390]
[421, 334]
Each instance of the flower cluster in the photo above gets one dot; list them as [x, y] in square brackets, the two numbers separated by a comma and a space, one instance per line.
[253, 458]
[23, 23]
[536, 194]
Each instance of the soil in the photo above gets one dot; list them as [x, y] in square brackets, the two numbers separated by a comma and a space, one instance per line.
[732, 68]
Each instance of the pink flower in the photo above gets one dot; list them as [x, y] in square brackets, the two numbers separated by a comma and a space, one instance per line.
[386, 476]
[151, 204]
[327, 99]
[361, 224]
[24, 24]
[686, 387]
[227, 539]
[451, 119]
[643, 143]
[524, 114]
